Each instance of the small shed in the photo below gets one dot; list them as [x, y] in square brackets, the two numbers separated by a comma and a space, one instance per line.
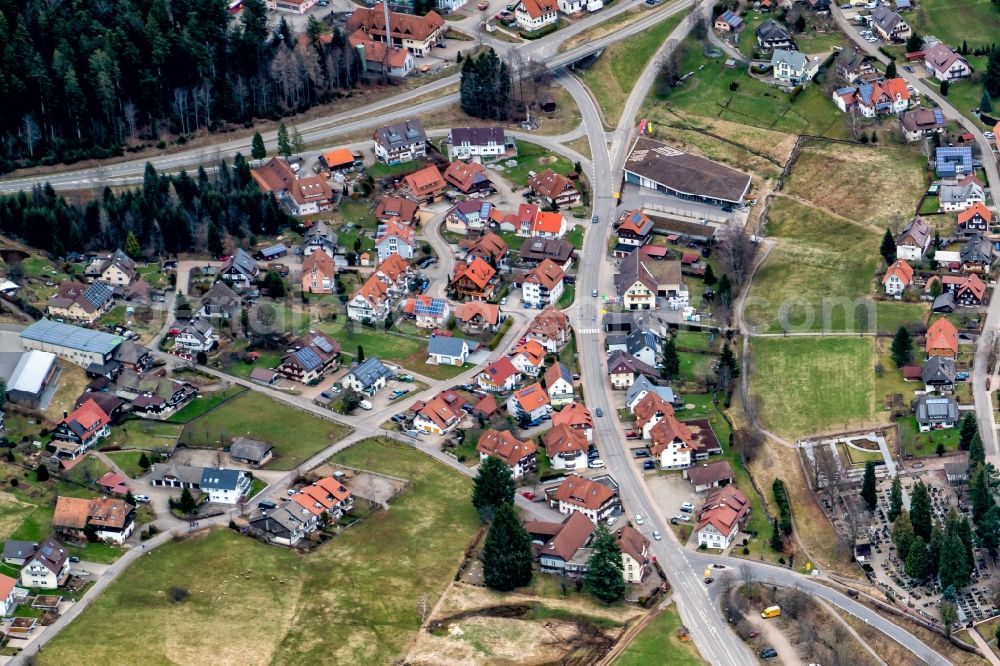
[547, 103]
[251, 451]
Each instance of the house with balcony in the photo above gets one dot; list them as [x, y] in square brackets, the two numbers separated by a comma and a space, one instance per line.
[480, 144]
[520, 457]
[595, 500]
[566, 448]
[475, 280]
[80, 431]
[400, 142]
[543, 285]
[530, 403]
[310, 358]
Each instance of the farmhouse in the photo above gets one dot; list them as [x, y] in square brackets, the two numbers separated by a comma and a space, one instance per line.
[77, 301]
[416, 34]
[110, 519]
[655, 165]
[520, 456]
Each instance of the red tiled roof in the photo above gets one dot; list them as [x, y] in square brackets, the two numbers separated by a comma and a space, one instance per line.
[574, 415]
[477, 271]
[583, 492]
[489, 312]
[667, 430]
[633, 543]
[393, 266]
[548, 183]
[7, 583]
[463, 175]
[500, 370]
[531, 397]
[404, 26]
[977, 208]
[426, 181]
[506, 447]
[548, 274]
[900, 269]
[570, 536]
[548, 222]
[396, 207]
[942, 334]
[273, 176]
[564, 439]
[88, 415]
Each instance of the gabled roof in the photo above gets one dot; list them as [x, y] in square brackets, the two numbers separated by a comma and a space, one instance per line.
[978, 208]
[650, 406]
[392, 267]
[794, 59]
[506, 447]
[547, 222]
[642, 383]
[531, 397]
[938, 369]
[550, 323]
[407, 132]
[584, 492]
[942, 57]
[885, 18]
[477, 271]
[568, 537]
[622, 362]
[398, 207]
[564, 439]
[274, 175]
[547, 274]
[444, 409]
[71, 512]
[723, 509]
[320, 262]
[537, 8]
[977, 249]
[403, 26]
[575, 415]
[370, 371]
[771, 30]
[478, 136]
[942, 334]
[425, 182]
[489, 312]
[667, 431]
[466, 175]
[491, 245]
[86, 418]
[531, 350]
[445, 345]
[731, 18]
[500, 370]
[216, 478]
[636, 223]
[249, 449]
[558, 250]
[556, 372]
[900, 269]
[916, 233]
[394, 229]
[711, 473]
[548, 183]
[922, 119]
[240, 262]
[634, 544]
[51, 555]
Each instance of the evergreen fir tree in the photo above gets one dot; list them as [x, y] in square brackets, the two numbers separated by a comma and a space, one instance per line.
[890, 70]
[777, 540]
[709, 277]
[980, 495]
[920, 511]
[953, 569]
[492, 487]
[986, 102]
[902, 535]
[360, 355]
[727, 359]
[977, 455]
[132, 246]
[914, 43]
[869, 489]
[895, 498]
[888, 248]
[725, 290]
[935, 548]
[258, 150]
[988, 530]
[284, 141]
[917, 563]
[902, 347]
[144, 463]
[944, 88]
[671, 360]
[41, 473]
[297, 142]
[507, 552]
[604, 578]
[187, 504]
[991, 77]
[968, 431]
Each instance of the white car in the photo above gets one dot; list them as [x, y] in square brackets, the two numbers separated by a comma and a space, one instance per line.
[687, 507]
[365, 405]
[142, 499]
[611, 520]
[989, 135]
[657, 535]
[596, 463]
[682, 517]
[638, 519]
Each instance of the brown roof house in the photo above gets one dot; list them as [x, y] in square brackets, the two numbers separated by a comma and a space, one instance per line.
[710, 475]
[635, 554]
[554, 188]
[521, 457]
[109, 519]
[725, 512]
[941, 339]
[566, 448]
[588, 496]
[426, 185]
[561, 547]
[310, 357]
[474, 280]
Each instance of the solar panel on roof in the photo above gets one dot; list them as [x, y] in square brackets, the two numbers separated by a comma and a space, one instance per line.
[323, 344]
[66, 335]
[98, 294]
[434, 307]
[308, 358]
[938, 116]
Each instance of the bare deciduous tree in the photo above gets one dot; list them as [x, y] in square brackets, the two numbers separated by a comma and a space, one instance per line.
[735, 252]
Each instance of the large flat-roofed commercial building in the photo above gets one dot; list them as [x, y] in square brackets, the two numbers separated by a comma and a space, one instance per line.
[657, 166]
[73, 343]
[34, 372]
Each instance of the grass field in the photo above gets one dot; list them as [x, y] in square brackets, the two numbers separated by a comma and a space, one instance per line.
[296, 435]
[828, 174]
[657, 643]
[707, 93]
[922, 444]
[532, 157]
[128, 462]
[380, 170]
[352, 601]
[952, 21]
[811, 385]
[613, 75]
[144, 434]
[891, 315]
[819, 261]
[203, 403]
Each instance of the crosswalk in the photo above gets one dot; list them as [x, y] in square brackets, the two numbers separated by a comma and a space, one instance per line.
[589, 331]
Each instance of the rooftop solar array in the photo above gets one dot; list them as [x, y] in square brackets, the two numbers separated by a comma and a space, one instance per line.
[308, 358]
[434, 307]
[74, 337]
[323, 344]
[98, 294]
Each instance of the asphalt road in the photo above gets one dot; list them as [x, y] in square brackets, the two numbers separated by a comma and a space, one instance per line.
[980, 373]
[393, 108]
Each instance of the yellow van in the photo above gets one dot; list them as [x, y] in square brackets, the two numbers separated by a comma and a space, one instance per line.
[771, 611]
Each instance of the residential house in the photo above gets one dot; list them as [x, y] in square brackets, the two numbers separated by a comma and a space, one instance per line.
[18, 553]
[416, 34]
[645, 346]
[724, 513]
[938, 374]
[109, 519]
[728, 21]
[536, 250]
[635, 554]
[197, 335]
[966, 290]
[301, 196]
[914, 240]
[897, 278]
[673, 443]
[793, 67]
[400, 142]
[855, 66]
[491, 248]
[291, 6]
[377, 296]
[886, 97]
[113, 483]
[469, 178]
[481, 144]
[944, 64]
[642, 387]
[499, 376]
[525, 219]
[324, 500]
[76, 301]
[593, 499]
[534, 15]
[7, 602]
[953, 161]
[935, 412]
[477, 317]
[447, 350]
[439, 415]
[379, 58]
[220, 302]
[559, 384]
[551, 329]
[80, 431]
[640, 280]
[521, 457]
[530, 403]
[427, 311]
[576, 416]
[319, 237]
[561, 547]
[920, 123]
[772, 35]
[395, 238]
[48, 568]
[225, 486]
[426, 185]
[566, 447]
[338, 159]
[310, 357]
[623, 368]
[962, 195]
[976, 219]
[468, 216]
[634, 230]
[239, 270]
[319, 274]
[976, 254]
[548, 224]
[474, 280]
[173, 475]
[710, 475]
[554, 188]
[368, 377]
[941, 339]
[528, 358]
[252, 452]
[115, 269]
[889, 25]
[543, 285]
[397, 209]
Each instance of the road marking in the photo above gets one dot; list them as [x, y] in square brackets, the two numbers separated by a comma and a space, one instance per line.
[589, 331]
